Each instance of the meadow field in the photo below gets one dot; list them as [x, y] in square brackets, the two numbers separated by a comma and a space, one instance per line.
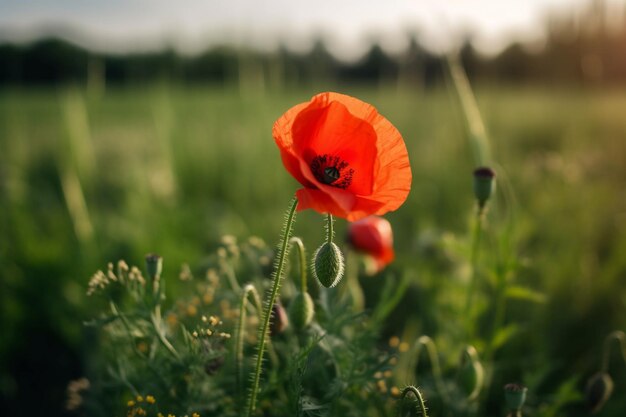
[91, 176]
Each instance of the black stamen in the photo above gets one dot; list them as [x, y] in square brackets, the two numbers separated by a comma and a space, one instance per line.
[332, 170]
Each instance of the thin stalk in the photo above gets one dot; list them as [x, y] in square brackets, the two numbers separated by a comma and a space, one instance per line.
[431, 349]
[117, 312]
[230, 275]
[155, 319]
[498, 316]
[248, 290]
[267, 313]
[352, 286]
[606, 356]
[418, 397]
[329, 228]
[476, 238]
[297, 242]
[474, 122]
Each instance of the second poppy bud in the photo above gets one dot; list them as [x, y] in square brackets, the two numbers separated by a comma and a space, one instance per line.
[373, 236]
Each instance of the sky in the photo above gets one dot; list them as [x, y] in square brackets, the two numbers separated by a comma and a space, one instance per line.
[347, 26]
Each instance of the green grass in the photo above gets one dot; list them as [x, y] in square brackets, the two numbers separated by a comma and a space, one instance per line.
[89, 179]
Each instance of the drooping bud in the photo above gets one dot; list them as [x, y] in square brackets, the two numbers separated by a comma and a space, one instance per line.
[515, 396]
[411, 407]
[328, 264]
[598, 391]
[280, 321]
[301, 310]
[471, 374]
[484, 185]
[154, 266]
[407, 407]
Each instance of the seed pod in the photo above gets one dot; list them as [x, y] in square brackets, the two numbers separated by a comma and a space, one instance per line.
[515, 396]
[328, 264]
[154, 265]
[471, 374]
[280, 321]
[301, 311]
[484, 185]
[598, 391]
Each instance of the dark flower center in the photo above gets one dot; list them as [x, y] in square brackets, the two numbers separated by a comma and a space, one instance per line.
[332, 170]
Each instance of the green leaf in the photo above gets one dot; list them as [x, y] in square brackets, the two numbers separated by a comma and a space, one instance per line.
[504, 334]
[526, 294]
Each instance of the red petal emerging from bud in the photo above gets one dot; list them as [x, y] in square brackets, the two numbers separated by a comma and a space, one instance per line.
[373, 236]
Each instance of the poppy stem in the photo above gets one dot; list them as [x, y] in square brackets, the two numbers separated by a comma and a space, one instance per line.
[606, 355]
[425, 342]
[329, 228]
[421, 409]
[297, 242]
[248, 292]
[267, 313]
[476, 238]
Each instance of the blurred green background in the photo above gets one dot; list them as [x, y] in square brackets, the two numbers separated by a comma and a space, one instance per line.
[167, 155]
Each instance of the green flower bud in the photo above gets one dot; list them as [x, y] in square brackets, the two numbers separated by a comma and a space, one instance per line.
[599, 389]
[301, 311]
[154, 265]
[471, 374]
[515, 396]
[328, 265]
[484, 185]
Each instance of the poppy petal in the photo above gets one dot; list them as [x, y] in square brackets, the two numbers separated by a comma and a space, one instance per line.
[292, 164]
[331, 130]
[319, 201]
[351, 161]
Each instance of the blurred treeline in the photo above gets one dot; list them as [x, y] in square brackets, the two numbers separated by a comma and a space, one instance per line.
[583, 47]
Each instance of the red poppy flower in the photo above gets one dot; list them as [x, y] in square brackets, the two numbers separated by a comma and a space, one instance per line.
[374, 237]
[351, 161]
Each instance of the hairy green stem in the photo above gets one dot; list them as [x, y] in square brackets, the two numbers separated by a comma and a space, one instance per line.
[606, 356]
[418, 397]
[267, 313]
[431, 349]
[297, 242]
[329, 228]
[248, 290]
